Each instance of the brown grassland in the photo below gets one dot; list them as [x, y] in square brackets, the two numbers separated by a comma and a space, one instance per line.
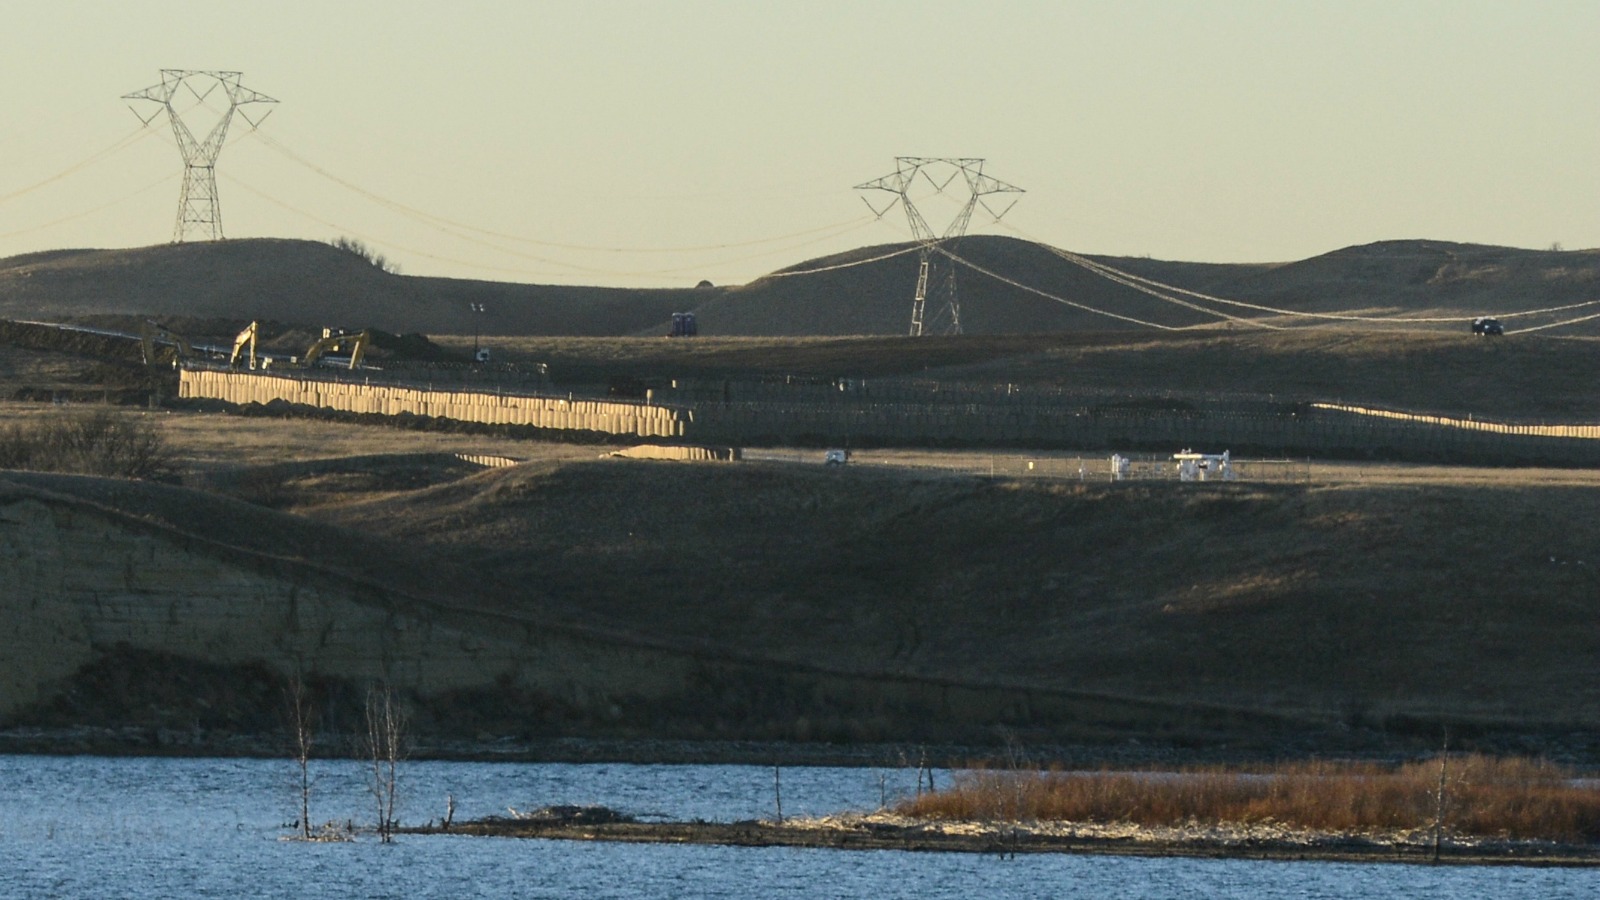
[1512, 798]
[1370, 608]
[1376, 603]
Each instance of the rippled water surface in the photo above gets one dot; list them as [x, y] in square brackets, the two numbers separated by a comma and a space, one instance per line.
[148, 828]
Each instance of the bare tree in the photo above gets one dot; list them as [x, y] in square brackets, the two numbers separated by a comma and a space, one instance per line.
[386, 732]
[302, 728]
[1439, 798]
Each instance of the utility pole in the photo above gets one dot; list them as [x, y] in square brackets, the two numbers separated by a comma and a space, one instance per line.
[199, 209]
[477, 310]
[940, 174]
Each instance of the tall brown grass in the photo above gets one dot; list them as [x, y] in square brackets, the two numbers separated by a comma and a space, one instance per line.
[1516, 798]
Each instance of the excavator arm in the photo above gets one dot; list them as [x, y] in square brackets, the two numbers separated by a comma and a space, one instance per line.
[356, 344]
[151, 333]
[246, 338]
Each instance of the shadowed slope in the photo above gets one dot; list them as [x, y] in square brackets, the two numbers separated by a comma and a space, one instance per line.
[1370, 603]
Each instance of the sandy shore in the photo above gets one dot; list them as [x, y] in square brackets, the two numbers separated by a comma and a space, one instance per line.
[884, 831]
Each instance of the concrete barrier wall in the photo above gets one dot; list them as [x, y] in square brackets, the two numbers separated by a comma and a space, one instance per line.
[488, 462]
[1004, 418]
[610, 417]
[687, 454]
[1583, 432]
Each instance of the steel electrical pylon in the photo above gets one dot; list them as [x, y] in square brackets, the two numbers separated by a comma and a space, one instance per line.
[199, 209]
[939, 174]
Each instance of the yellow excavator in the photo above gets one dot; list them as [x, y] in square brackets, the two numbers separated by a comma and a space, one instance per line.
[246, 338]
[337, 342]
[151, 332]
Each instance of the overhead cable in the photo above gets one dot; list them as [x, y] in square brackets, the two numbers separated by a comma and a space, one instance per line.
[1107, 271]
[436, 221]
[171, 176]
[1049, 296]
[122, 143]
[791, 273]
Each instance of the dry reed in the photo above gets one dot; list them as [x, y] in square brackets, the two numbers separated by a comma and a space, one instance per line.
[1514, 798]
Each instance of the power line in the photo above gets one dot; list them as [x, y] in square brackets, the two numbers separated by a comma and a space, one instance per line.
[1049, 296]
[1129, 279]
[791, 273]
[440, 221]
[576, 268]
[89, 212]
[122, 143]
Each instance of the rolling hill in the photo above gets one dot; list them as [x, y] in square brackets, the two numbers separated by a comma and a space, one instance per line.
[1005, 285]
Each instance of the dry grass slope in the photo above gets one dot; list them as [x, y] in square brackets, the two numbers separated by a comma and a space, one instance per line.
[1514, 798]
[1369, 608]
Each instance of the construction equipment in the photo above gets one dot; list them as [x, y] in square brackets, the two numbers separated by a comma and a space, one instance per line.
[152, 333]
[337, 342]
[247, 337]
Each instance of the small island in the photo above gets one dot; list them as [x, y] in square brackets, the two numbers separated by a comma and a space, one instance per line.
[1452, 809]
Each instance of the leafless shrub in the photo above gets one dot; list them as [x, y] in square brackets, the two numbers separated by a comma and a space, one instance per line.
[93, 443]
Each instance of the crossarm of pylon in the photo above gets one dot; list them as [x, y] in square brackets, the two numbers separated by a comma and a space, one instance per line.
[938, 186]
[990, 210]
[880, 213]
[988, 184]
[243, 95]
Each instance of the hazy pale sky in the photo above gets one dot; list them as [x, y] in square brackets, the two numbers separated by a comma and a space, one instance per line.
[659, 143]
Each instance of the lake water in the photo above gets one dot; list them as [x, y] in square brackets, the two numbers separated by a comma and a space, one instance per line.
[148, 828]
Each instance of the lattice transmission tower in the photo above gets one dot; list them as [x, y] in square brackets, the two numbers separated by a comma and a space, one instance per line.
[939, 174]
[199, 209]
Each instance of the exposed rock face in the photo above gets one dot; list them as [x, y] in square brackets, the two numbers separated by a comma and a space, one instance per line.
[88, 585]
[75, 577]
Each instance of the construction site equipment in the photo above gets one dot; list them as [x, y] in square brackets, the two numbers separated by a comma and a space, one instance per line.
[1194, 466]
[246, 338]
[152, 333]
[337, 342]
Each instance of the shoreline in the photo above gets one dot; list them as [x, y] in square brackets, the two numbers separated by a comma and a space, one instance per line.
[882, 831]
[157, 741]
[172, 742]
